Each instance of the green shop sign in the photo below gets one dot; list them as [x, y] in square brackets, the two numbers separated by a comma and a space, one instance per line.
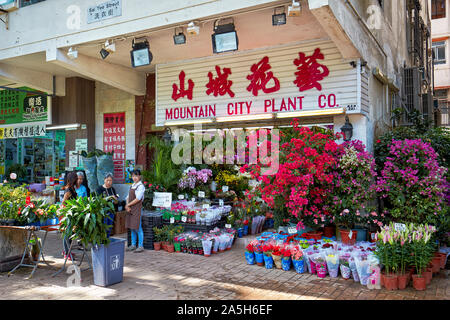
[18, 107]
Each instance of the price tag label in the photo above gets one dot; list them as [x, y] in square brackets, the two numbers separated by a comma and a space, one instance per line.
[184, 218]
[201, 194]
[172, 220]
[221, 202]
[228, 226]
[399, 227]
[225, 188]
[193, 199]
[292, 230]
[180, 197]
[350, 235]
[206, 206]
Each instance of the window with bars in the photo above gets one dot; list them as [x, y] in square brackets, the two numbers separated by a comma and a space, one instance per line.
[437, 9]
[439, 52]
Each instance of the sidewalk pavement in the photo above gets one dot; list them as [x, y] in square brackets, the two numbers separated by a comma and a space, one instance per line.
[180, 276]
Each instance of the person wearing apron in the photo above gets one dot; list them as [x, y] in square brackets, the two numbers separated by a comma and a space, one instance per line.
[133, 219]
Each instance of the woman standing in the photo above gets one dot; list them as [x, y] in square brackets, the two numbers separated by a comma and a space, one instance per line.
[134, 207]
[80, 188]
[70, 194]
[108, 191]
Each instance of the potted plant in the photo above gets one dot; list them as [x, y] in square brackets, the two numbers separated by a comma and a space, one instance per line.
[249, 254]
[157, 238]
[297, 259]
[386, 253]
[276, 256]
[285, 258]
[86, 219]
[346, 221]
[257, 250]
[268, 260]
[170, 238]
[344, 265]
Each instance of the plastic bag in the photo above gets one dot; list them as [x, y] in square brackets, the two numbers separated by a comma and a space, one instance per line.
[223, 242]
[344, 265]
[363, 268]
[320, 264]
[207, 245]
[352, 264]
[332, 259]
[90, 167]
[374, 278]
[105, 165]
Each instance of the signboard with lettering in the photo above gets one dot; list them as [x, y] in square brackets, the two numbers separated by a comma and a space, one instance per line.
[18, 107]
[23, 131]
[305, 77]
[162, 199]
[114, 141]
[103, 11]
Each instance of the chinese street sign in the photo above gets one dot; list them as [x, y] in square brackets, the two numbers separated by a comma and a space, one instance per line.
[17, 107]
[104, 11]
[114, 141]
[24, 131]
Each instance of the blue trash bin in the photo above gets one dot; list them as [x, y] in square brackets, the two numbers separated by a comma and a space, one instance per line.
[107, 262]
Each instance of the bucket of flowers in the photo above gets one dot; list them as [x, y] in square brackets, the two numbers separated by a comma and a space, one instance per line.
[297, 259]
[321, 266]
[285, 258]
[257, 250]
[276, 256]
[268, 260]
[249, 254]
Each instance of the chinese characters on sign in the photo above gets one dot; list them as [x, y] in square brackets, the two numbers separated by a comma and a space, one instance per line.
[28, 131]
[104, 11]
[18, 107]
[114, 141]
[270, 89]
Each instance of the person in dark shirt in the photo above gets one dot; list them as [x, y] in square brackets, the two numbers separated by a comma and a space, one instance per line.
[70, 194]
[108, 191]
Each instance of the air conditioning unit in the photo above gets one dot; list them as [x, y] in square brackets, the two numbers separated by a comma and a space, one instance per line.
[9, 5]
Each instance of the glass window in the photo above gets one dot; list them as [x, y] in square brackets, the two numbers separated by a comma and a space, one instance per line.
[439, 52]
[24, 3]
[437, 9]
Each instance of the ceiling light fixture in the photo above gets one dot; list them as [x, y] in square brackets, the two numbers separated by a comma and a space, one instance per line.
[279, 16]
[224, 38]
[107, 49]
[311, 113]
[140, 55]
[179, 38]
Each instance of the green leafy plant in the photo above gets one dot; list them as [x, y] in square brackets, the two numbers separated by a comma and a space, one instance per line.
[86, 219]
[162, 172]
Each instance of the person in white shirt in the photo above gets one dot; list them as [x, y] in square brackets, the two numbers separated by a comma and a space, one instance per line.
[134, 209]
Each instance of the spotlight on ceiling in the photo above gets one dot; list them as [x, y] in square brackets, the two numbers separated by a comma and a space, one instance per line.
[179, 38]
[72, 53]
[140, 55]
[193, 28]
[278, 17]
[107, 49]
[294, 9]
[224, 38]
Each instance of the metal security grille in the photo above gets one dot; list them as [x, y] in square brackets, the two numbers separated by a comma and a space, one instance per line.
[443, 113]
[411, 82]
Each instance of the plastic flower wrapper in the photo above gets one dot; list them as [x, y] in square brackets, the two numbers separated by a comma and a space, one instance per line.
[332, 259]
[216, 243]
[223, 242]
[375, 271]
[363, 267]
[230, 240]
[320, 264]
[352, 264]
[344, 265]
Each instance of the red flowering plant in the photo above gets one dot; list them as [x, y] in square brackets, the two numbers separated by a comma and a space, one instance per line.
[285, 253]
[276, 250]
[355, 184]
[249, 248]
[267, 249]
[301, 189]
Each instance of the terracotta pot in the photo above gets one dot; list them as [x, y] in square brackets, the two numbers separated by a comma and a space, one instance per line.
[436, 261]
[345, 236]
[443, 257]
[381, 279]
[391, 282]
[403, 280]
[419, 283]
[373, 236]
[428, 274]
[328, 232]
[316, 235]
[261, 264]
[157, 246]
[170, 248]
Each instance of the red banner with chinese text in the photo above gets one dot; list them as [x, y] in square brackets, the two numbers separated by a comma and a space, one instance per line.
[114, 141]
